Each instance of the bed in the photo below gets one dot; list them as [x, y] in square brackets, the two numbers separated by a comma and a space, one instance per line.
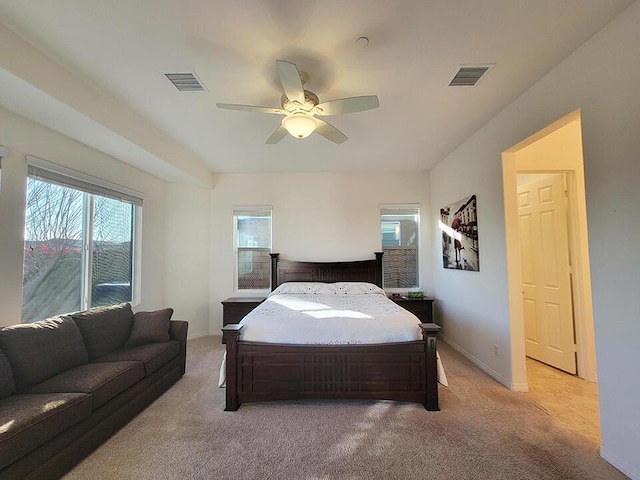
[261, 369]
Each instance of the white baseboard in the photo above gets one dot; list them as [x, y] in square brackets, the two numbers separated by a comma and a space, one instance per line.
[516, 387]
[197, 335]
[628, 471]
[520, 387]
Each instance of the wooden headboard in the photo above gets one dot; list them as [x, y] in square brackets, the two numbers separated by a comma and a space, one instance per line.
[357, 271]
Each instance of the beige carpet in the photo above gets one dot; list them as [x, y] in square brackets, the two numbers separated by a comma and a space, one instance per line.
[484, 431]
[568, 398]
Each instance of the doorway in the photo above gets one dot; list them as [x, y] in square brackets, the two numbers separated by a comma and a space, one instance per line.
[555, 149]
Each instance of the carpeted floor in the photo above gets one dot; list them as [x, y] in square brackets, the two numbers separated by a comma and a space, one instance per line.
[484, 431]
[566, 397]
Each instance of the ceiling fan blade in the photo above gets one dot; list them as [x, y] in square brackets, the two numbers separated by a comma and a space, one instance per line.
[348, 105]
[290, 79]
[276, 136]
[330, 132]
[250, 108]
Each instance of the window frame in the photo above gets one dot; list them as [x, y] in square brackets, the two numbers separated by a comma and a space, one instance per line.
[246, 210]
[90, 187]
[402, 209]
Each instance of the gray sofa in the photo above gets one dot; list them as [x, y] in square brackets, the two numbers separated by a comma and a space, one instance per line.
[69, 383]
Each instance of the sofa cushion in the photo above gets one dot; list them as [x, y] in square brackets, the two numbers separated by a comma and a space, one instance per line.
[102, 380]
[7, 385]
[150, 327]
[152, 355]
[28, 420]
[40, 350]
[104, 329]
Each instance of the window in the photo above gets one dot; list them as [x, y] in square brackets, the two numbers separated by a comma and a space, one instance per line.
[79, 244]
[399, 227]
[252, 245]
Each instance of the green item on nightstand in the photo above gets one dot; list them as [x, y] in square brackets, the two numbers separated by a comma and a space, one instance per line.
[411, 294]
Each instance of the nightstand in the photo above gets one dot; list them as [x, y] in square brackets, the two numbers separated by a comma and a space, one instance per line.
[420, 307]
[234, 309]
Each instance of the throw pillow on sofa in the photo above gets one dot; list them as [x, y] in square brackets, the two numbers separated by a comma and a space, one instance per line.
[104, 329]
[150, 327]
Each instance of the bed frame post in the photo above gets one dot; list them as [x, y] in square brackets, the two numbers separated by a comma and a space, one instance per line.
[230, 334]
[430, 333]
[379, 268]
[274, 270]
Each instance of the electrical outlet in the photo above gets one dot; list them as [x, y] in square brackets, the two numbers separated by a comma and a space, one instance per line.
[496, 350]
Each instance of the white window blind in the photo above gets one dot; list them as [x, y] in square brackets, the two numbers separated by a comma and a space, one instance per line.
[399, 225]
[252, 245]
[81, 249]
[42, 170]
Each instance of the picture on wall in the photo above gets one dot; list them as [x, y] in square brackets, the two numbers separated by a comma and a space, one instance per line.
[459, 226]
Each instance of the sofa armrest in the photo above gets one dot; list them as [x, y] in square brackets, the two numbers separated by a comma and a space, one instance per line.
[178, 331]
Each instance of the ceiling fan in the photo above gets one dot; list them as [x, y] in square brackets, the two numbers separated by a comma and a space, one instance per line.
[301, 108]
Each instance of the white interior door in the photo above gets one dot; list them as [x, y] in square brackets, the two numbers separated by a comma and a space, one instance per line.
[546, 287]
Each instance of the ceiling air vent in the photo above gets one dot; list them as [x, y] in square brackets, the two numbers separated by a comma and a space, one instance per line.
[469, 75]
[185, 81]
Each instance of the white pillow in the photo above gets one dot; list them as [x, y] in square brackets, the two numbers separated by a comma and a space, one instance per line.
[320, 288]
[357, 288]
[304, 288]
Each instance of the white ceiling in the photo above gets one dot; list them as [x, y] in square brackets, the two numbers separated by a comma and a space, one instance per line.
[121, 47]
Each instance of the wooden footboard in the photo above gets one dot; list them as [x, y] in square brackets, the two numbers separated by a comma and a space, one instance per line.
[405, 371]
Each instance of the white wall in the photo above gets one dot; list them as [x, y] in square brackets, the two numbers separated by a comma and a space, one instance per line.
[186, 257]
[602, 79]
[321, 217]
[23, 137]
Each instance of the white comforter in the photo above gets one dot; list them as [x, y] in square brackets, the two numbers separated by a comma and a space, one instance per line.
[329, 319]
[335, 313]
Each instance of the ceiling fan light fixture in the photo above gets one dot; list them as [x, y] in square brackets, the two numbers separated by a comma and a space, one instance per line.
[299, 124]
[301, 107]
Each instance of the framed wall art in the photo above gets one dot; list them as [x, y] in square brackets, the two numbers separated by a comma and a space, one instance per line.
[459, 226]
